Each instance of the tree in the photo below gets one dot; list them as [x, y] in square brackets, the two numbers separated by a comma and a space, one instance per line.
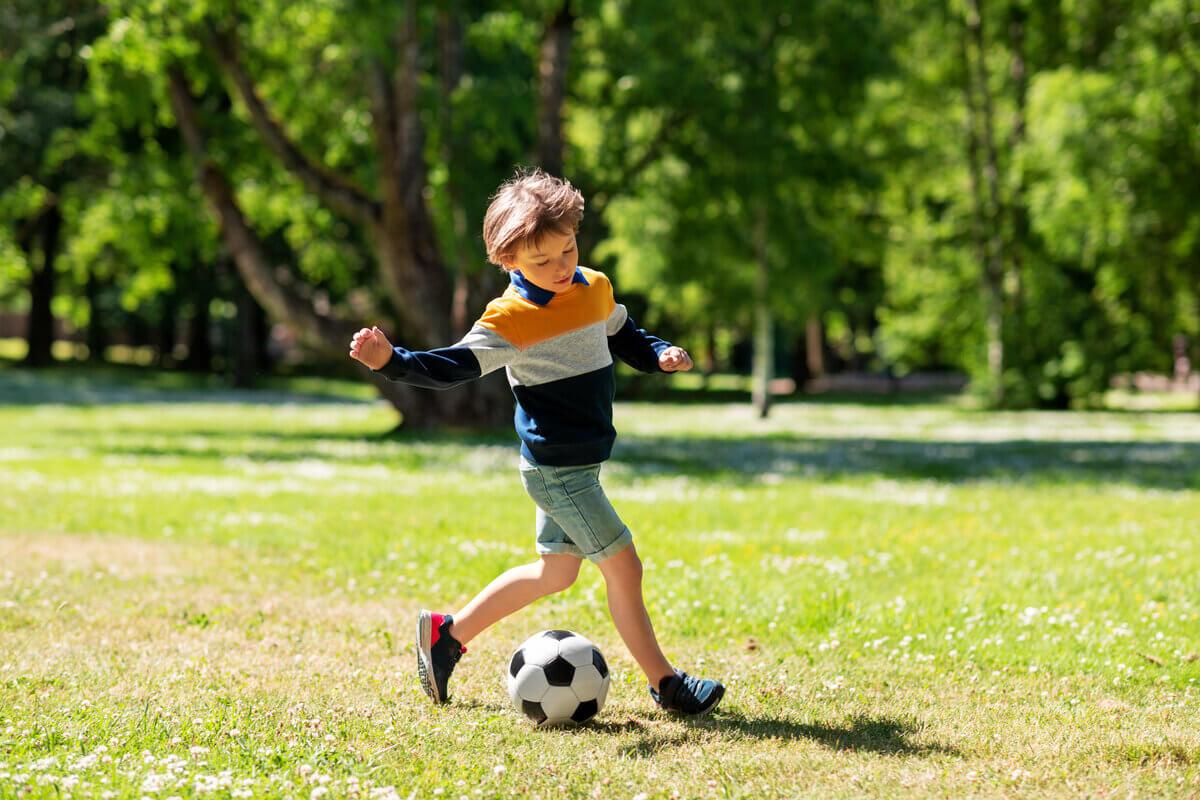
[1110, 156]
[1020, 248]
[41, 76]
[734, 122]
[373, 161]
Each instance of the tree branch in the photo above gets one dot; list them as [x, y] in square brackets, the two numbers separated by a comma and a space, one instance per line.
[334, 190]
[280, 299]
[652, 153]
[411, 174]
[552, 87]
[410, 133]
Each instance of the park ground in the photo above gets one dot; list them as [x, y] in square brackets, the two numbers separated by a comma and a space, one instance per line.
[210, 593]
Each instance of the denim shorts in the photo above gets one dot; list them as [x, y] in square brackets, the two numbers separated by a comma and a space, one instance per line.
[573, 515]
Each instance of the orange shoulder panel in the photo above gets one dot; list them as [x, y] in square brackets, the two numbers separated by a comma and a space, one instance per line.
[524, 323]
[600, 283]
[502, 316]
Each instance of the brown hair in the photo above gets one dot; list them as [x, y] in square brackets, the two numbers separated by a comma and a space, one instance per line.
[525, 209]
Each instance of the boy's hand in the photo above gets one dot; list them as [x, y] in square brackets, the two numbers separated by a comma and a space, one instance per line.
[371, 347]
[674, 359]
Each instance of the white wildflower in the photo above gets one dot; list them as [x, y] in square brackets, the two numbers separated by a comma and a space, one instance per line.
[84, 762]
[156, 782]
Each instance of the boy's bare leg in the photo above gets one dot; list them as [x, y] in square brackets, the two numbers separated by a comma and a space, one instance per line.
[623, 580]
[512, 591]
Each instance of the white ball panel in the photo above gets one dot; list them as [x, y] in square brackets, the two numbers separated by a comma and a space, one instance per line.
[587, 684]
[577, 650]
[540, 650]
[603, 694]
[531, 683]
[559, 703]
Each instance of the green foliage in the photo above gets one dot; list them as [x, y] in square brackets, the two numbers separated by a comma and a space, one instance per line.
[1096, 218]
[826, 140]
[735, 120]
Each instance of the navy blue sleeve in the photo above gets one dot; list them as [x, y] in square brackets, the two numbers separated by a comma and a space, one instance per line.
[443, 368]
[637, 348]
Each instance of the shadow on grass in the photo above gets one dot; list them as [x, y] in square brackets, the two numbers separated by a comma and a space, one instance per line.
[733, 460]
[745, 460]
[739, 462]
[657, 391]
[864, 734]
[86, 385]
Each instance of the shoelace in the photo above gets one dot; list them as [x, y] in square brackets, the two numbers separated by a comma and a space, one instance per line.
[692, 686]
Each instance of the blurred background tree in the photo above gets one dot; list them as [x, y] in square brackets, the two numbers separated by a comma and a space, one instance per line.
[1031, 244]
[1005, 189]
[43, 167]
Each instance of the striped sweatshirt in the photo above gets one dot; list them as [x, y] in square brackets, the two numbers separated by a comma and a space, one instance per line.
[557, 350]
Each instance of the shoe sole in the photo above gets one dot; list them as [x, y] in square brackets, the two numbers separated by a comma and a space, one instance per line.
[707, 711]
[424, 655]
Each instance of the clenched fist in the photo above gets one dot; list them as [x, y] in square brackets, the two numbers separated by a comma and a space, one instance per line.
[371, 347]
[674, 359]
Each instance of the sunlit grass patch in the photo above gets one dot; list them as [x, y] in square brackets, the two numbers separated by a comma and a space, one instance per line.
[212, 596]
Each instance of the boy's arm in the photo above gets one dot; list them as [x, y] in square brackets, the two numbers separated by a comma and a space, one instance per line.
[477, 354]
[639, 349]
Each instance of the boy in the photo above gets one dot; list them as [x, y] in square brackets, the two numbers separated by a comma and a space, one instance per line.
[555, 330]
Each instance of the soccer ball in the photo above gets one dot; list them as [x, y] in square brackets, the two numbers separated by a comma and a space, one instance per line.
[557, 677]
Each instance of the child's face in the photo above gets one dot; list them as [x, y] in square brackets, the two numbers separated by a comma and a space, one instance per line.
[550, 264]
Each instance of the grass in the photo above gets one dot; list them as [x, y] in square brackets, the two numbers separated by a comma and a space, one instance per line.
[206, 592]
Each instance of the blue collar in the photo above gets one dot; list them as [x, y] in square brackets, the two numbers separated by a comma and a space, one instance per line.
[536, 294]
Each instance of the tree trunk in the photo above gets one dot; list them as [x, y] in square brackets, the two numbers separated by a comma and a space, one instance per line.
[709, 365]
[401, 236]
[552, 87]
[450, 32]
[200, 349]
[165, 344]
[764, 323]
[40, 333]
[1194, 361]
[814, 346]
[248, 345]
[97, 334]
[1019, 211]
[989, 244]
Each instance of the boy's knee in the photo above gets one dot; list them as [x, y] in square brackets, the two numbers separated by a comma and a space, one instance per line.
[558, 578]
[558, 582]
[624, 566]
[635, 567]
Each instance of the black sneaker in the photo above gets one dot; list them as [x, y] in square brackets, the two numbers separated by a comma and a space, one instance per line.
[437, 653]
[687, 695]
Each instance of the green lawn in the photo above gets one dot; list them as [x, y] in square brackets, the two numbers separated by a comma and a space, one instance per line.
[210, 593]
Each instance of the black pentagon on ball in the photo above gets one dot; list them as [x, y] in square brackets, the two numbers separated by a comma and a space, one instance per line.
[533, 710]
[598, 663]
[559, 672]
[518, 661]
[586, 710]
[558, 636]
